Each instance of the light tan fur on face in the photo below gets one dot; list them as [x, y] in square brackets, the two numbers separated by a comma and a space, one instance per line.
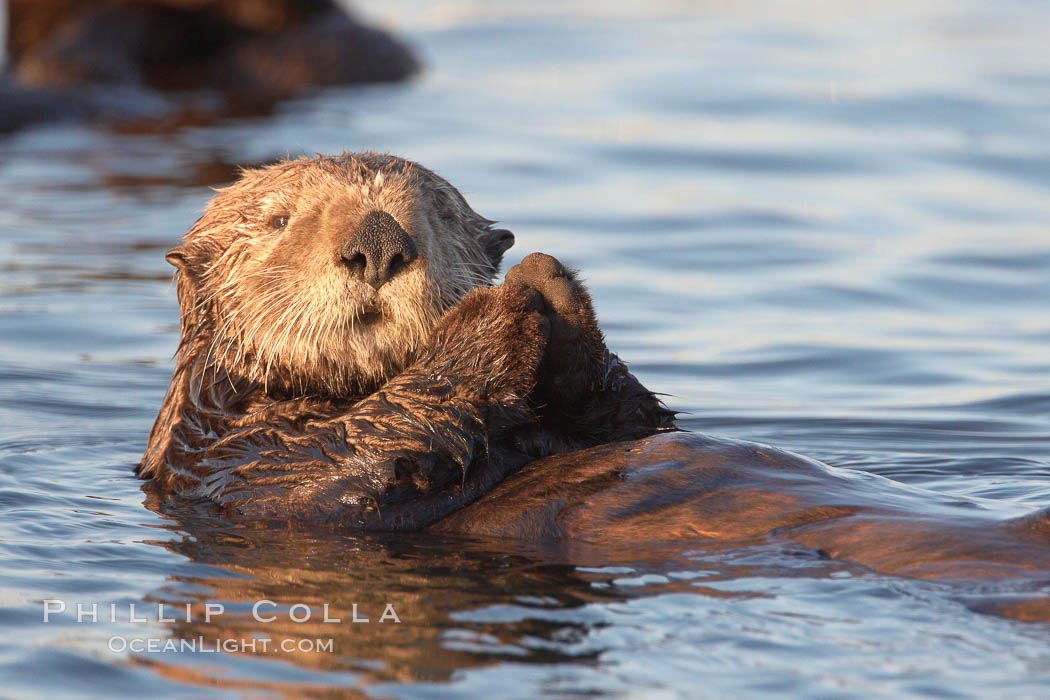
[279, 308]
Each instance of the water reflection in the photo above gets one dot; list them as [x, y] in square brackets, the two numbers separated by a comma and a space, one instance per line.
[471, 604]
[426, 581]
[859, 274]
[462, 603]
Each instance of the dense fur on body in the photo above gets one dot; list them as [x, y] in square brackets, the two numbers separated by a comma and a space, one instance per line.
[301, 392]
[619, 501]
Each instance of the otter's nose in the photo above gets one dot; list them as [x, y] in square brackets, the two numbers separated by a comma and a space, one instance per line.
[378, 249]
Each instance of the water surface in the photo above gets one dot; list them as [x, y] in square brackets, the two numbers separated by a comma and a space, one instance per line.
[823, 227]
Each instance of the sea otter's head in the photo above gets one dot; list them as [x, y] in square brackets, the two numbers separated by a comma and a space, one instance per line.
[326, 275]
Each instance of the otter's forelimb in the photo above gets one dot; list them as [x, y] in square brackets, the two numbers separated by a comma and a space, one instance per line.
[424, 439]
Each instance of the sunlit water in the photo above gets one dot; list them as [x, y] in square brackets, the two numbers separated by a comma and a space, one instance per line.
[821, 227]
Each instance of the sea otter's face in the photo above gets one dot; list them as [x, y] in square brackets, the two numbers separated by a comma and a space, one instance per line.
[327, 274]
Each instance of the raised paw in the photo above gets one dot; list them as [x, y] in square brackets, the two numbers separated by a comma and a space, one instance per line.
[576, 349]
[494, 339]
[563, 294]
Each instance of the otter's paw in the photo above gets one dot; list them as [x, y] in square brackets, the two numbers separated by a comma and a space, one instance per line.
[493, 338]
[576, 348]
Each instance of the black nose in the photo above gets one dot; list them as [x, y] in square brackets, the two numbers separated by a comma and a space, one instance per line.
[378, 249]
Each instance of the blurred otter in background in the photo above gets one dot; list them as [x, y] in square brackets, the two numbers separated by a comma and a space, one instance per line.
[251, 52]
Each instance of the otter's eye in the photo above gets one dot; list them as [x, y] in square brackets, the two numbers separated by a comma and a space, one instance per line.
[278, 222]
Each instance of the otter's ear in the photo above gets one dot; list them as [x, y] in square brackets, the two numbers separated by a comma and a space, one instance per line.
[496, 242]
[177, 257]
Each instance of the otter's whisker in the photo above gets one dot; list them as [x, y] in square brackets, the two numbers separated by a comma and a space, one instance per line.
[275, 295]
[294, 309]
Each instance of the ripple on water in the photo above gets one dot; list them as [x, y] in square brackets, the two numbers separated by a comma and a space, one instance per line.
[820, 229]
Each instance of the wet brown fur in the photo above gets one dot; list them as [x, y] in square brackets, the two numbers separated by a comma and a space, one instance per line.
[301, 393]
[486, 412]
[614, 502]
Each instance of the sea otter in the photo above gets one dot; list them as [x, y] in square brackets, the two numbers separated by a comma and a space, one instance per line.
[257, 49]
[344, 358]
[122, 59]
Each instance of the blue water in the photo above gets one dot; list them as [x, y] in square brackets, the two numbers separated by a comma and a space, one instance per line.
[823, 226]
